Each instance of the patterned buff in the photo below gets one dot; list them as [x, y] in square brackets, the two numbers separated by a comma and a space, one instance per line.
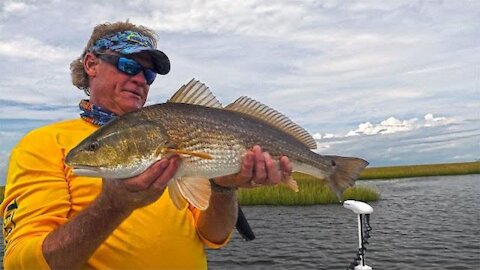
[95, 114]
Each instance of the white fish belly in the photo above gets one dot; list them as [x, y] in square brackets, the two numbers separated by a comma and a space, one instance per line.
[310, 170]
[225, 161]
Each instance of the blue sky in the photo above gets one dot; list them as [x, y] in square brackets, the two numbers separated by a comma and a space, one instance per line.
[394, 82]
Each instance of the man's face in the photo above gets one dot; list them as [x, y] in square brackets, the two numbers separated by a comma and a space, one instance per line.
[116, 91]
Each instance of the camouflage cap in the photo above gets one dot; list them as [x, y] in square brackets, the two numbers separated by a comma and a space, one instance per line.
[131, 42]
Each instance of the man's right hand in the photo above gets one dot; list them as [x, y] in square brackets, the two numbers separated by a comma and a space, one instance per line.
[131, 193]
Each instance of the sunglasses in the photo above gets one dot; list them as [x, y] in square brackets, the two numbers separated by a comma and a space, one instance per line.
[129, 66]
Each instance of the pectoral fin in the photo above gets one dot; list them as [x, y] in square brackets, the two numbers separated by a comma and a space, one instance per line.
[176, 195]
[188, 153]
[164, 151]
[192, 189]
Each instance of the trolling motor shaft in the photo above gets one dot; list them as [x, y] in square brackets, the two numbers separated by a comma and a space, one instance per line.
[363, 211]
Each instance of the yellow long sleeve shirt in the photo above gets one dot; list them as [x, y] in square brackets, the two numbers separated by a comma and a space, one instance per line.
[42, 193]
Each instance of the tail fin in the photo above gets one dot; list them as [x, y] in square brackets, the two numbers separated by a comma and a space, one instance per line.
[345, 171]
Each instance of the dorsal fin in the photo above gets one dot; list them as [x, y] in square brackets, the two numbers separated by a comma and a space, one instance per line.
[196, 93]
[261, 111]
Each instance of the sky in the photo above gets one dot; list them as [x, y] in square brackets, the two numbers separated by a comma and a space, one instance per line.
[393, 82]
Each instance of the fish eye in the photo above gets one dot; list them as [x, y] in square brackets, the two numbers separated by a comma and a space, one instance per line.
[93, 146]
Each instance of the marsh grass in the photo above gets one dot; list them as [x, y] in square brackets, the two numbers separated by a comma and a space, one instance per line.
[311, 191]
[421, 170]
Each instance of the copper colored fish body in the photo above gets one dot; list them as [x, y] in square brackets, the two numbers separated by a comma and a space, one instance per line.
[212, 141]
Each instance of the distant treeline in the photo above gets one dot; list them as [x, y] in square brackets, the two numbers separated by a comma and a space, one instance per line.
[421, 170]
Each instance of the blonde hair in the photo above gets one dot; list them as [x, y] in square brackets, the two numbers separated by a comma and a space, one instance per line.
[79, 76]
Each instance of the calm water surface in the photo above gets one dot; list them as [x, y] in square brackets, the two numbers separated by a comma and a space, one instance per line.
[420, 223]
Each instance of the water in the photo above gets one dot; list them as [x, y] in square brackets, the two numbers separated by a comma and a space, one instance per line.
[420, 223]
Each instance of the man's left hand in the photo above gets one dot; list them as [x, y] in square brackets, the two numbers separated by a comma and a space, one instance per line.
[258, 168]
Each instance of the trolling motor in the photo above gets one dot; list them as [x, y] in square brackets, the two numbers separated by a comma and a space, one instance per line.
[363, 211]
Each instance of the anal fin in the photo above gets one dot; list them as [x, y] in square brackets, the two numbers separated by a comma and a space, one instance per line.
[195, 190]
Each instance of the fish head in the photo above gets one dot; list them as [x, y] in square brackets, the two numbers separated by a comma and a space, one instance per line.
[122, 148]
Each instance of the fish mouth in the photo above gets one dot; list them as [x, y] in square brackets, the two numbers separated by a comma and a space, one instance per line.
[86, 170]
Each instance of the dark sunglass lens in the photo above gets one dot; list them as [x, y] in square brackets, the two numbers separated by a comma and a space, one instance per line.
[149, 75]
[129, 66]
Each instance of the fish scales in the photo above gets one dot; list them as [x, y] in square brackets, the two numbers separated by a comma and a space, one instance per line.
[211, 140]
[226, 135]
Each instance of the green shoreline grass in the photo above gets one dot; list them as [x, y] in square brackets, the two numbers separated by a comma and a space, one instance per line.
[421, 170]
[313, 191]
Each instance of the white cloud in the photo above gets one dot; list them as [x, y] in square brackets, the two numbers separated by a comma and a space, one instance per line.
[250, 17]
[322, 146]
[404, 93]
[389, 126]
[423, 145]
[31, 48]
[431, 121]
[434, 68]
[328, 65]
[351, 63]
[12, 6]
[317, 136]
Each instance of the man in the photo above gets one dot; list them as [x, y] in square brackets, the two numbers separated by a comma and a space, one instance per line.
[54, 219]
